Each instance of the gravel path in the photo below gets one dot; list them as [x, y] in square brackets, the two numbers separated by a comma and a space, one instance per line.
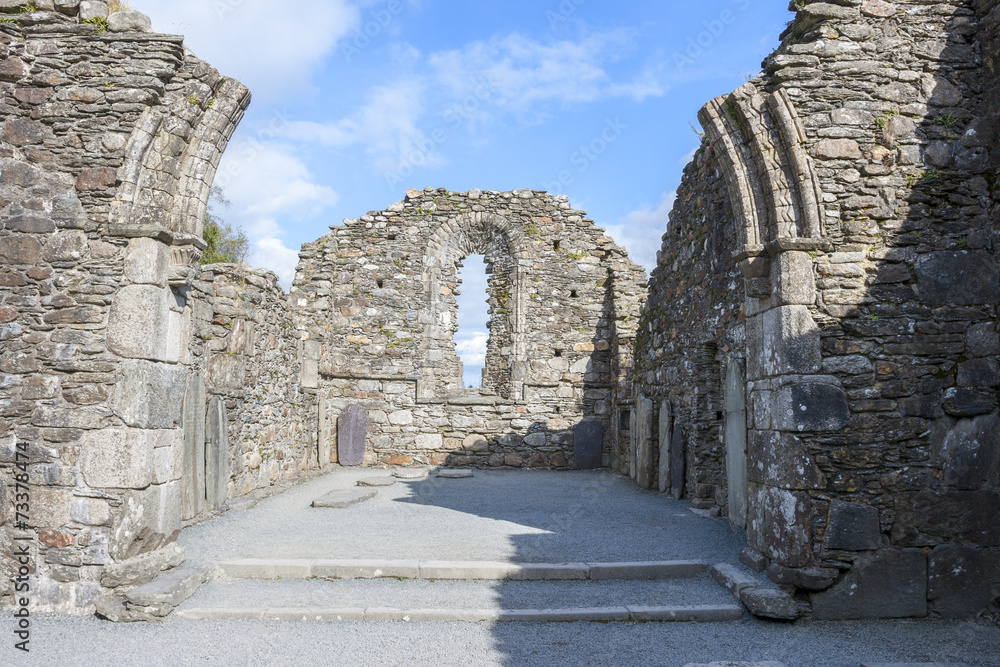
[87, 642]
[520, 516]
[459, 594]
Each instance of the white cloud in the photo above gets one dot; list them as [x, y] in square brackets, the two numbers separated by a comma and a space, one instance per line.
[387, 127]
[270, 48]
[472, 348]
[642, 230]
[514, 74]
[264, 181]
[525, 75]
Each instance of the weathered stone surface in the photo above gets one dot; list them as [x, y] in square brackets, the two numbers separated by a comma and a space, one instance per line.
[665, 425]
[216, 454]
[785, 341]
[149, 395]
[929, 519]
[853, 527]
[193, 423]
[226, 373]
[97, 178]
[352, 435]
[837, 149]
[970, 454]
[455, 474]
[588, 445]
[118, 458]
[342, 499]
[810, 406]
[678, 462]
[139, 323]
[171, 588]
[966, 277]
[781, 460]
[129, 21]
[19, 250]
[770, 603]
[965, 402]
[142, 569]
[878, 8]
[962, 580]
[147, 261]
[66, 246]
[883, 584]
[779, 524]
[805, 578]
[377, 482]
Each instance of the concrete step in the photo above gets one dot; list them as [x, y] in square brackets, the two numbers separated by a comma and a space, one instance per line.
[290, 568]
[696, 599]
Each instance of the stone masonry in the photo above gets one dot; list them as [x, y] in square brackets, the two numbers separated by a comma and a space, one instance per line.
[817, 357]
[837, 230]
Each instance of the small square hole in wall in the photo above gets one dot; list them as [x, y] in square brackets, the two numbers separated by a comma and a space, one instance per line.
[555, 245]
[573, 294]
[558, 353]
[391, 237]
[380, 283]
[558, 410]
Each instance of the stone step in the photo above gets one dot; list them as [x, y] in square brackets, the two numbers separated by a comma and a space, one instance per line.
[696, 599]
[598, 615]
[258, 568]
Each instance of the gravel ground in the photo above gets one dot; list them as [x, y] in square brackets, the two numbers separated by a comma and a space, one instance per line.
[520, 516]
[69, 641]
[459, 594]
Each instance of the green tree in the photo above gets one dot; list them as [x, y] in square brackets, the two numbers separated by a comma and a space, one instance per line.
[226, 244]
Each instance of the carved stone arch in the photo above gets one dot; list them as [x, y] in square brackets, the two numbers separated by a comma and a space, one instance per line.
[506, 251]
[171, 158]
[773, 185]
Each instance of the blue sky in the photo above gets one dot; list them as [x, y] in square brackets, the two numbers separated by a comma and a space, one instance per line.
[356, 100]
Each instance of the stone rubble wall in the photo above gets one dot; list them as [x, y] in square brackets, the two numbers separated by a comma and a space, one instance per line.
[375, 304]
[860, 172]
[109, 140]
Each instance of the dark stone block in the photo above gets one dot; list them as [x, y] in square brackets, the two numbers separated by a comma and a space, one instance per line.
[755, 560]
[884, 584]
[678, 463]
[31, 224]
[853, 527]
[588, 444]
[352, 436]
[217, 454]
[782, 524]
[811, 406]
[978, 373]
[968, 277]
[15, 250]
[928, 519]
[781, 460]
[969, 453]
[807, 578]
[964, 402]
[963, 580]
[770, 603]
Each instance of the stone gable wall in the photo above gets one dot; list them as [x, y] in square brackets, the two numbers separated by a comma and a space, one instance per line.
[375, 301]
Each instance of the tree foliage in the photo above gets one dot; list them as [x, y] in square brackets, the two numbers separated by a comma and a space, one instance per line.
[226, 244]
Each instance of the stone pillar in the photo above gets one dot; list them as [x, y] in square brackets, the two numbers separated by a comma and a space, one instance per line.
[193, 422]
[666, 423]
[217, 454]
[736, 442]
[645, 475]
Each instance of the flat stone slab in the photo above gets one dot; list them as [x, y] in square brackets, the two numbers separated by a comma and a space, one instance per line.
[259, 568]
[377, 481]
[410, 474]
[455, 474]
[344, 498]
[914, 664]
[172, 587]
[737, 664]
[598, 614]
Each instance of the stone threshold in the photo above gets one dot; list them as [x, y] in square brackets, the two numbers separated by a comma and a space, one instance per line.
[698, 614]
[254, 568]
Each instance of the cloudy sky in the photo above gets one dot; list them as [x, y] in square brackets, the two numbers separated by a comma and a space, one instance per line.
[357, 100]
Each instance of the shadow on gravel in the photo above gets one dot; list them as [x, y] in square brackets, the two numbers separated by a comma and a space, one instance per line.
[584, 516]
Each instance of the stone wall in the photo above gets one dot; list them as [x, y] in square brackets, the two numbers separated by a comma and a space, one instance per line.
[375, 302]
[858, 170]
[109, 141]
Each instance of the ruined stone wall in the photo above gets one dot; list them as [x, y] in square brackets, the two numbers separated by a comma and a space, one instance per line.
[376, 306]
[109, 141]
[859, 171]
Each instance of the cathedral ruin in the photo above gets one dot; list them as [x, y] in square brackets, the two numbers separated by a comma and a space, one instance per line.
[815, 357]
